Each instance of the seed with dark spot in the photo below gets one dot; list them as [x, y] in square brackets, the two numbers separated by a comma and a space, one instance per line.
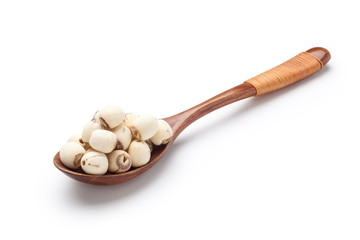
[103, 123]
[119, 146]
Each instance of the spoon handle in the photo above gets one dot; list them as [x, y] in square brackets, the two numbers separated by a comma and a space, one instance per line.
[289, 72]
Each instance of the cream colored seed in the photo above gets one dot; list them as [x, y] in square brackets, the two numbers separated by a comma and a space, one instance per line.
[129, 119]
[124, 137]
[139, 152]
[163, 135]
[103, 141]
[119, 161]
[90, 150]
[110, 117]
[95, 116]
[144, 127]
[76, 138]
[88, 130]
[71, 153]
[150, 144]
[94, 163]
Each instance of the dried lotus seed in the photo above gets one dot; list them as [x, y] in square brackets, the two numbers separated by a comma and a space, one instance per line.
[90, 150]
[70, 154]
[139, 152]
[119, 161]
[129, 119]
[110, 116]
[144, 127]
[103, 141]
[163, 135]
[124, 137]
[150, 144]
[77, 138]
[94, 163]
[95, 116]
[88, 130]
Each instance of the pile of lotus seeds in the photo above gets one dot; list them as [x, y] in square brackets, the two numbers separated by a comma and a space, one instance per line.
[113, 142]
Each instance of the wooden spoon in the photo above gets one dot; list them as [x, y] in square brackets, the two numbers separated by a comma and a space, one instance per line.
[293, 70]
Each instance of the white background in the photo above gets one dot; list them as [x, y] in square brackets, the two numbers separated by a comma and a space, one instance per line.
[281, 166]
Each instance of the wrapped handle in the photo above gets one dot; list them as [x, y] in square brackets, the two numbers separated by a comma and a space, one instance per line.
[291, 71]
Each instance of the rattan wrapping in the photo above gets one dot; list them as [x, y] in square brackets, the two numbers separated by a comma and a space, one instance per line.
[289, 72]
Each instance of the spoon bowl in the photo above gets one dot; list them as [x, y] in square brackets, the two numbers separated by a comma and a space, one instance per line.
[291, 71]
[111, 179]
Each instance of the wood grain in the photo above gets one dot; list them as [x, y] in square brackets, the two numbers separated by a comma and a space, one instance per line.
[320, 53]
